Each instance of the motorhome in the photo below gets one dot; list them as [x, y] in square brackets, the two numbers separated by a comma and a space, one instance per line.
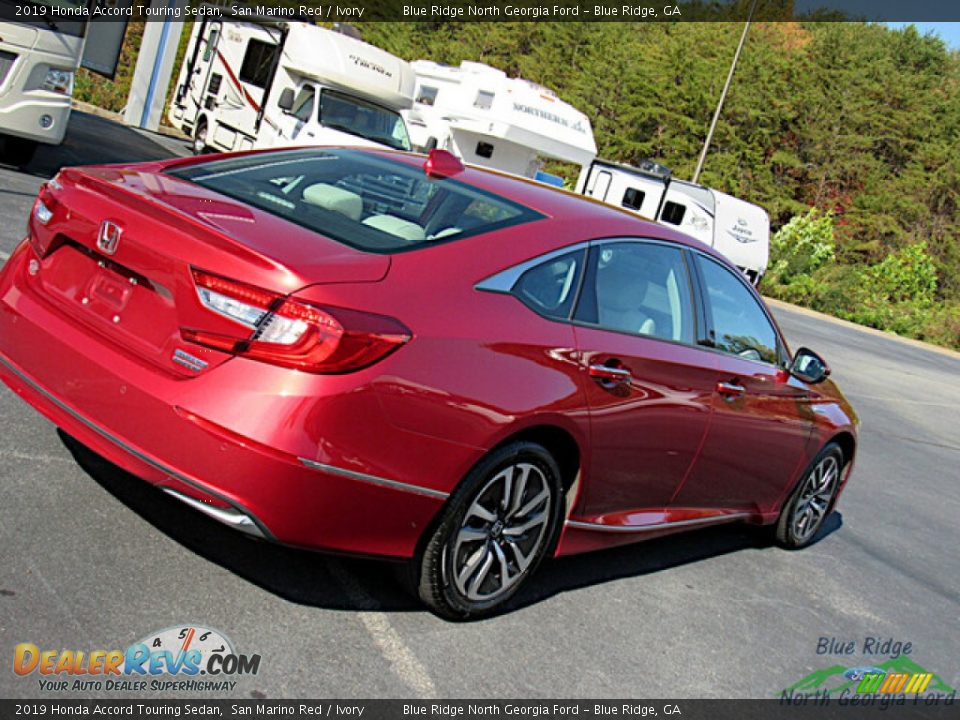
[734, 227]
[260, 83]
[488, 119]
[39, 57]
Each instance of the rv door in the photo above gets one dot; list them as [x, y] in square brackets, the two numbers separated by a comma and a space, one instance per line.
[195, 92]
[298, 123]
[249, 64]
[690, 209]
[598, 184]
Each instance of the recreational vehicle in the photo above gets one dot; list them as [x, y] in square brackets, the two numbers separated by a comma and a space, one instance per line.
[255, 84]
[38, 61]
[738, 229]
[485, 118]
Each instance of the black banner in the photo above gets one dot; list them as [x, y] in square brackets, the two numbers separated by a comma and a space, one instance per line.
[44, 13]
[860, 706]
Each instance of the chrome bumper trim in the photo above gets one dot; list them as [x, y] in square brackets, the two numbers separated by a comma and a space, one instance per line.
[658, 526]
[374, 480]
[262, 529]
[234, 518]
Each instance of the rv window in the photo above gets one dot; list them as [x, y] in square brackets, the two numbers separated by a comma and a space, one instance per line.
[484, 100]
[484, 150]
[427, 95]
[363, 119]
[303, 104]
[211, 44]
[257, 63]
[673, 212]
[366, 201]
[633, 198]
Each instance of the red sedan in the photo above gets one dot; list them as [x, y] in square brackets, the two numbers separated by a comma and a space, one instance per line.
[363, 352]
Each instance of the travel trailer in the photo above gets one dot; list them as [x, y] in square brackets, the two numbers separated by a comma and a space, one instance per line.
[38, 62]
[735, 228]
[485, 118]
[260, 83]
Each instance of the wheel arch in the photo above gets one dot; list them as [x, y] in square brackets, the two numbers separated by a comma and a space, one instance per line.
[847, 443]
[556, 440]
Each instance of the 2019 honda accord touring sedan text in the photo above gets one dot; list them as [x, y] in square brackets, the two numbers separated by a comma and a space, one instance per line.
[366, 352]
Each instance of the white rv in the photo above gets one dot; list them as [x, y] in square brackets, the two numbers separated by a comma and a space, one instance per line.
[264, 83]
[734, 227]
[485, 118]
[39, 56]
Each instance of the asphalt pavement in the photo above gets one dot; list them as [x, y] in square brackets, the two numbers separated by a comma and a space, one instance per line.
[91, 558]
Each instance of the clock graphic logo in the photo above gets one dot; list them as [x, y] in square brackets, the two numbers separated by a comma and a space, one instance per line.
[188, 649]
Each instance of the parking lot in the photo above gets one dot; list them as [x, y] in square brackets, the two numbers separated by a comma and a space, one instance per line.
[91, 558]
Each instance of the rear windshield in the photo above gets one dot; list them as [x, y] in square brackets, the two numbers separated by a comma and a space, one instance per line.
[367, 202]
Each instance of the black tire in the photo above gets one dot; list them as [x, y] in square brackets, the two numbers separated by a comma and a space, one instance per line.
[514, 553]
[18, 151]
[813, 497]
[199, 145]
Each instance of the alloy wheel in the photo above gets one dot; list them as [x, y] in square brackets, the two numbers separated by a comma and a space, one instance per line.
[814, 499]
[501, 534]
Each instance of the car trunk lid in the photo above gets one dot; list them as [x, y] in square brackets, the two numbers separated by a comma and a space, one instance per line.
[118, 251]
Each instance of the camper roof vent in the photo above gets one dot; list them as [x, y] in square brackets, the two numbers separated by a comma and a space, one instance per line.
[348, 30]
[654, 168]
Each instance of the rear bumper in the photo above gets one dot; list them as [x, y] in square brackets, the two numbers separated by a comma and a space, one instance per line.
[254, 449]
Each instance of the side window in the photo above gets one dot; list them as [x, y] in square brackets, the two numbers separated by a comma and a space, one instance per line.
[303, 104]
[549, 288]
[257, 62]
[638, 288]
[740, 326]
[673, 212]
[210, 45]
[484, 100]
[427, 95]
[633, 199]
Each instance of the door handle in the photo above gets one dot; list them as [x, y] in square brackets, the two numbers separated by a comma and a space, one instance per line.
[730, 390]
[610, 374]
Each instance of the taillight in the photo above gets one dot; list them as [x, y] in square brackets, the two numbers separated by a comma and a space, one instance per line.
[294, 334]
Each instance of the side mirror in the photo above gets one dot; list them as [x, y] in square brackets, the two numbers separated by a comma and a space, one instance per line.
[809, 367]
[285, 102]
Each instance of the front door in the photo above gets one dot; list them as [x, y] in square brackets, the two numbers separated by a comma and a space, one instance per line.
[762, 417]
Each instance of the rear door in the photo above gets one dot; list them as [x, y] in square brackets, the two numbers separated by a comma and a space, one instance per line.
[761, 416]
[247, 56]
[649, 387]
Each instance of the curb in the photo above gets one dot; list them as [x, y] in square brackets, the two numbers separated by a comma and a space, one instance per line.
[118, 118]
[861, 328]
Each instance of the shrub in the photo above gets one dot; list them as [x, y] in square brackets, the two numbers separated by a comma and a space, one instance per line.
[802, 246]
[906, 276]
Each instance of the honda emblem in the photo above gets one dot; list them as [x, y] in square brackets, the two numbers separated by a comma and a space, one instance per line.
[109, 237]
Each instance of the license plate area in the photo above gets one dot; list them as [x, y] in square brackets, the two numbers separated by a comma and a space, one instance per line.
[120, 303]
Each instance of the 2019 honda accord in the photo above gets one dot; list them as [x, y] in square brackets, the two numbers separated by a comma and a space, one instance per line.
[376, 353]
